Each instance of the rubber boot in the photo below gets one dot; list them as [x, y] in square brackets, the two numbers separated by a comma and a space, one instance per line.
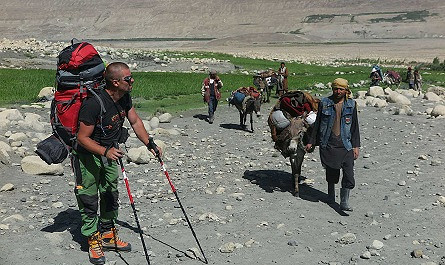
[211, 118]
[344, 199]
[95, 250]
[331, 192]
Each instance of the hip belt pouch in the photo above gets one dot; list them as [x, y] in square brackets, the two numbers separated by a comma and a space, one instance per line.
[52, 150]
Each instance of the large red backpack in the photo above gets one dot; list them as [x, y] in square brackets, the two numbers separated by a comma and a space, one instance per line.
[80, 73]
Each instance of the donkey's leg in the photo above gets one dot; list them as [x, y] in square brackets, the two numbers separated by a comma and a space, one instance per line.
[296, 161]
[251, 122]
[241, 117]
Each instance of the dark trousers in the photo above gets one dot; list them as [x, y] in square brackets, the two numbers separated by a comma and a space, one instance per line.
[213, 103]
[348, 181]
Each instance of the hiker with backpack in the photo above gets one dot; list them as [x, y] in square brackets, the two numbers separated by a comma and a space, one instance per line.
[95, 160]
[336, 131]
[211, 93]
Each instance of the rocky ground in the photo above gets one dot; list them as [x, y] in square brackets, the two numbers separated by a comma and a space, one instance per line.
[236, 190]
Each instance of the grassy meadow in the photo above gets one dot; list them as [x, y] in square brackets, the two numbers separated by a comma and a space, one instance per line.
[174, 91]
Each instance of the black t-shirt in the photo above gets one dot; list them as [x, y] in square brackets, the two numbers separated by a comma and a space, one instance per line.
[112, 119]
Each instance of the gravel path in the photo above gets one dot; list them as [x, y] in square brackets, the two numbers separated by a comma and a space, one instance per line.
[236, 190]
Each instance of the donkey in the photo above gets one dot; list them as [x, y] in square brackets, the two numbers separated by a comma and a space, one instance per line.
[292, 139]
[251, 105]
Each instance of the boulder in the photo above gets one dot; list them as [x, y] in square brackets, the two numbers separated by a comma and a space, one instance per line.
[17, 137]
[388, 91]
[11, 115]
[438, 110]
[36, 166]
[146, 125]
[375, 91]
[409, 93]
[5, 146]
[437, 90]
[360, 94]
[395, 97]
[403, 110]
[165, 118]
[46, 93]
[431, 96]
[154, 123]
[379, 103]
[141, 155]
[32, 121]
[4, 157]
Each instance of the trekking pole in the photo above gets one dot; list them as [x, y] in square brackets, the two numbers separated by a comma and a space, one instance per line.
[127, 185]
[180, 204]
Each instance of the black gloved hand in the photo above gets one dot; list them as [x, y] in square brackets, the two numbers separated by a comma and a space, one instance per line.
[152, 146]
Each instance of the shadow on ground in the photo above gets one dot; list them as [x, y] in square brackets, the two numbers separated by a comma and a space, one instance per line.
[201, 117]
[136, 230]
[232, 126]
[277, 180]
[68, 220]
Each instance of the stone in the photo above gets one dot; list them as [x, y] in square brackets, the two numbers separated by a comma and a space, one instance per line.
[46, 93]
[375, 91]
[292, 243]
[154, 123]
[376, 244]
[4, 157]
[7, 187]
[366, 255]
[395, 97]
[11, 115]
[347, 238]
[431, 96]
[227, 248]
[36, 166]
[417, 253]
[165, 118]
[438, 110]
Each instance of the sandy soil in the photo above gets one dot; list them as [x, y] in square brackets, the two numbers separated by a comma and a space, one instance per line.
[239, 186]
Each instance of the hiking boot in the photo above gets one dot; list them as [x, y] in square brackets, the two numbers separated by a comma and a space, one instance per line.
[111, 241]
[95, 251]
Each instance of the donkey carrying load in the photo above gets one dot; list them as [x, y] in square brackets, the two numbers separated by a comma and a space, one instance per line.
[265, 82]
[247, 100]
[290, 123]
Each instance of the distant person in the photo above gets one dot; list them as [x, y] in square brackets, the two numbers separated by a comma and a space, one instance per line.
[410, 78]
[94, 161]
[210, 90]
[417, 80]
[336, 131]
[283, 73]
[375, 77]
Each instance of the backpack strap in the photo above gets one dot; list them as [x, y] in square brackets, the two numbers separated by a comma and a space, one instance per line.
[102, 109]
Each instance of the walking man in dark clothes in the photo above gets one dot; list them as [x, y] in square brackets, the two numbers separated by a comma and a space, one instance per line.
[94, 161]
[336, 131]
[211, 93]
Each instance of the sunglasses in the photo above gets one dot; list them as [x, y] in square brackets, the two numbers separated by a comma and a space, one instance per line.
[128, 78]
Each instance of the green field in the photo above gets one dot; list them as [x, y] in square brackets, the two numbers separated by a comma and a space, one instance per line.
[173, 91]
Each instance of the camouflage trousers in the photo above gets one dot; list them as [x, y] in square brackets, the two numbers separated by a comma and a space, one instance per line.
[96, 185]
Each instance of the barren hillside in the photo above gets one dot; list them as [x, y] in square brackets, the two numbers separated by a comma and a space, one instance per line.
[230, 25]
[55, 19]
